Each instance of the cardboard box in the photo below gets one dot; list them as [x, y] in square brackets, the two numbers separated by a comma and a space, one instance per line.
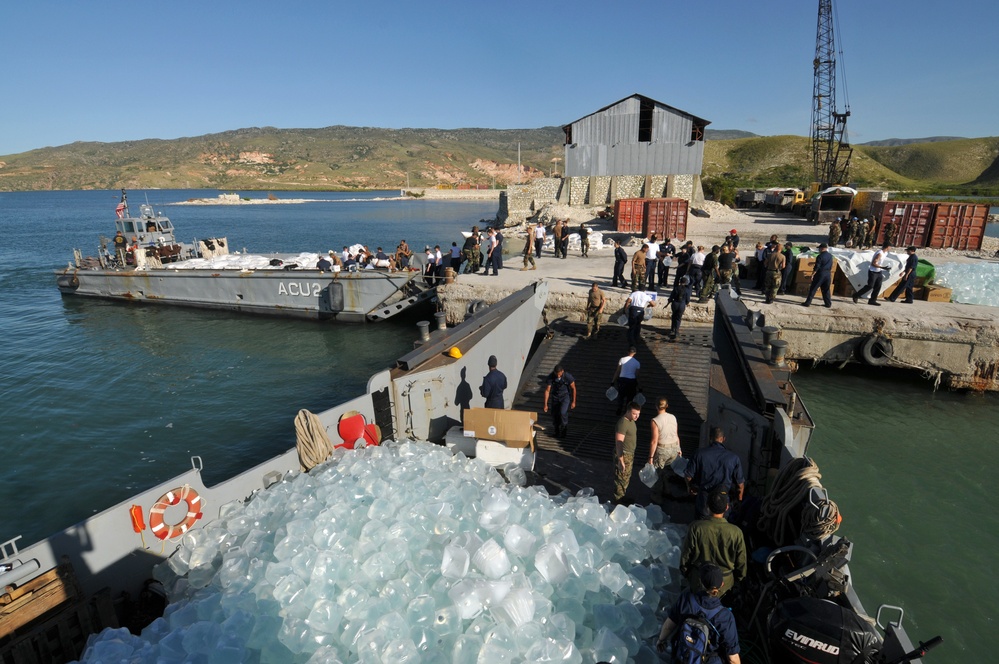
[515, 428]
[498, 454]
[937, 294]
[801, 289]
[887, 290]
[842, 285]
[806, 263]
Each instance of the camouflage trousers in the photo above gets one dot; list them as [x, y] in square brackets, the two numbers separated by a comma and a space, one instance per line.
[771, 284]
[638, 279]
[708, 290]
[472, 259]
[592, 322]
[622, 479]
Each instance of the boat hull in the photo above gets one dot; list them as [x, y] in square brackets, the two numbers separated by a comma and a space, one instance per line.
[350, 297]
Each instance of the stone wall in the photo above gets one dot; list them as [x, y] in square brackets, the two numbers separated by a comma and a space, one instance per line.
[523, 200]
[659, 187]
[579, 191]
[682, 187]
[600, 190]
[629, 186]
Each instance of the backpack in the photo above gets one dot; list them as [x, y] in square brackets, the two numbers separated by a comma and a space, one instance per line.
[696, 639]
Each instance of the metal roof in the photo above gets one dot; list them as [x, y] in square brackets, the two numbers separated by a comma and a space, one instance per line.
[643, 97]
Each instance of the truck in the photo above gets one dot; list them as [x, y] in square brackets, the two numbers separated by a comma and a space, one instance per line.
[829, 204]
[783, 199]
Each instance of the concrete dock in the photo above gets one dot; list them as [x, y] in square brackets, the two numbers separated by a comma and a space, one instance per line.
[951, 345]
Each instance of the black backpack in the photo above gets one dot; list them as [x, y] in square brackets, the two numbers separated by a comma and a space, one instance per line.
[697, 638]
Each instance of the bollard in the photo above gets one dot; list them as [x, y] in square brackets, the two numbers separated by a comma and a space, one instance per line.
[424, 326]
[448, 275]
[778, 350]
[441, 320]
[770, 332]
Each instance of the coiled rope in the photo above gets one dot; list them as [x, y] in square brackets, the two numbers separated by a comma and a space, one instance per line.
[791, 494]
[313, 444]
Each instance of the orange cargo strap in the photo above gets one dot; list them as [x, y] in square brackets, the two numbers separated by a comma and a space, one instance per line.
[165, 531]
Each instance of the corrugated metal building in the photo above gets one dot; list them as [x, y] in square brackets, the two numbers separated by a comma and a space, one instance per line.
[635, 136]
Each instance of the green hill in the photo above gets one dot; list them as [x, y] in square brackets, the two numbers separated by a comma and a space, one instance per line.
[957, 167]
[268, 158]
[370, 158]
[949, 162]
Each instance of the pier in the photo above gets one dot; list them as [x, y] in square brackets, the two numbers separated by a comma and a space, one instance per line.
[951, 345]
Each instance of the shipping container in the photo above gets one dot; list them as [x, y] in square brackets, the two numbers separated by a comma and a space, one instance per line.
[912, 222]
[629, 214]
[959, 226]
[666, 218]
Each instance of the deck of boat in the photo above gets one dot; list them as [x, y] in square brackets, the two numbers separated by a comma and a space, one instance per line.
[679, 371]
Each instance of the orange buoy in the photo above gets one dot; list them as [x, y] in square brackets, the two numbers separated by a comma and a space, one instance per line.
[138, 524]
[164, 531]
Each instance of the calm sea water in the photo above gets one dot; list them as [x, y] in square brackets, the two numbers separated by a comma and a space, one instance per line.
[912, 473]
[103, 399]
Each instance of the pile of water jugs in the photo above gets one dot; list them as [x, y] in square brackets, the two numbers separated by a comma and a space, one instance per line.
[972, 283]
[407, 553]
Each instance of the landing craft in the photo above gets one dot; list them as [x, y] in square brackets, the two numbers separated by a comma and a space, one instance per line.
[154, 267]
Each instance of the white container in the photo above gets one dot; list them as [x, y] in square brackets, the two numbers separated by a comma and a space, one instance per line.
[611, 393]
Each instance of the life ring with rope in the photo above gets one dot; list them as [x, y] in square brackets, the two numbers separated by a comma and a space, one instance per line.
[165, 531]
[877, 350]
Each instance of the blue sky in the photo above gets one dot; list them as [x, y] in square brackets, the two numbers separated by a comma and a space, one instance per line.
[115, 71]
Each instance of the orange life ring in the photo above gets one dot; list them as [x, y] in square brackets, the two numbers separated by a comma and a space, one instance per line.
[164, 531]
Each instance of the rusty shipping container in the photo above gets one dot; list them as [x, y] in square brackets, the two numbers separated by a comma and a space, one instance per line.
[666, 218]
[912, 222]
[629, 215]
[959, 226]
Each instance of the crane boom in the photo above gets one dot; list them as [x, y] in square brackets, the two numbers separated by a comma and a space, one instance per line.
[831, 151]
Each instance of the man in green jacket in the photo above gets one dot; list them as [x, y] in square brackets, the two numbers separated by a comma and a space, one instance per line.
[714, 540]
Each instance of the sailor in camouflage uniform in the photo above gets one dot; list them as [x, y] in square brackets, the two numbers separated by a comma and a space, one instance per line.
[872, 233]
[835, 229]
[853, 233]
[890, 233]
[774, 266]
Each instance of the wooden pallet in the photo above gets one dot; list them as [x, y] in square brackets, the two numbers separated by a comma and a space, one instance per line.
[48, 619]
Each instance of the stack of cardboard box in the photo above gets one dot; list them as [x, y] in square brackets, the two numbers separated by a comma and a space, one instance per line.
[496, 436]
[805, 269]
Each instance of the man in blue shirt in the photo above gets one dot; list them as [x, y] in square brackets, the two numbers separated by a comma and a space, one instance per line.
[561, 389]
[724, 643]
[493, 385]
[822, 277]
[620, 261]
[908, 281]
[714, 468]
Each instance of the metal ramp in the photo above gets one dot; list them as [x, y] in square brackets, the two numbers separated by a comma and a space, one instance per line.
[679, 371]
[388, 310]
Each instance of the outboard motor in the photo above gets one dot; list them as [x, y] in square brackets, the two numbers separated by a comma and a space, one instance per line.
[806, 629]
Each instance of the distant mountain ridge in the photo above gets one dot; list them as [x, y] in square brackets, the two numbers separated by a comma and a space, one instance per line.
[891, 142]
[727, 134]
[351, 158]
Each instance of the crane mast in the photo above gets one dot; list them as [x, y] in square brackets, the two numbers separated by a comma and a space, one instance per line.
[831, 149]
